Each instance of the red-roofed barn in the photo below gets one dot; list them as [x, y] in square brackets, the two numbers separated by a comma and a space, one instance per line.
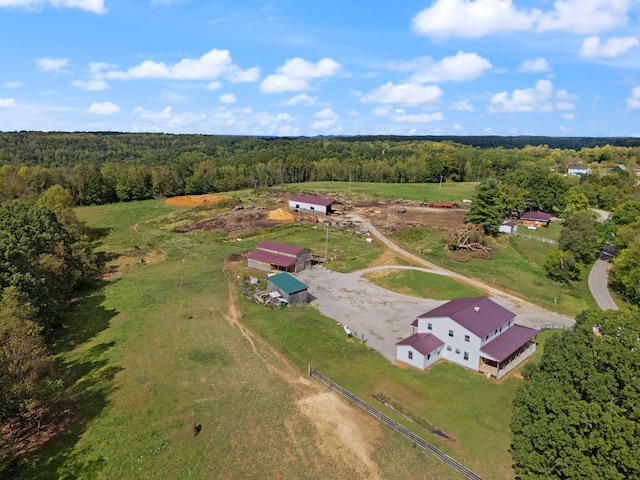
[476, 332]
[270, 256]
[305, 203]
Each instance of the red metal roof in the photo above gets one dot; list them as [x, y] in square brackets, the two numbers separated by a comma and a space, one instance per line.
[325, 202]
[539, 216]
[279, 247]
[271, 258]
[479, 315]
[424, 343]
[508, 342]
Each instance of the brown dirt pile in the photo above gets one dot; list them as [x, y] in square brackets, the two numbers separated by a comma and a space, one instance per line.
[196, 200]
[282, 215]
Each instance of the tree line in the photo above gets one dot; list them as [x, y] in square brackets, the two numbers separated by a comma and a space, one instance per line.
[105, 168]
[45, 260]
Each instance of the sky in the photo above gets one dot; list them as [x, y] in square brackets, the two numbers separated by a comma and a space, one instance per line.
[329, 67]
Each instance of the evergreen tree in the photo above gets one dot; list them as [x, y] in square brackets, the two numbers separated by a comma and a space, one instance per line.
[485, 208]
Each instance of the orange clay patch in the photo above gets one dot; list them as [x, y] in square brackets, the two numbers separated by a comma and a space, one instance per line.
[195, 200]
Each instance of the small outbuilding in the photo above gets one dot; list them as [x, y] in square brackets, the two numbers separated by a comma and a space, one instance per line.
[287, 288]
[507, 226]
[578, 170]
[305, 203]
[535, 219]
[270, 256]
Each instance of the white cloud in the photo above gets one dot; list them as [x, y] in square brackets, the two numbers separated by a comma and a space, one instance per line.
[213, 86]
[541, 98]
[55, 65]
[326, 118]
[537, 65]
[91, 85]
[95, 6]
[614, 47]
[478, 18]
[463, 105]
[461, 67]
[404, 94]
[13, 84]
[400, 116]
[228, 98]
[633, 100]
[168, 117]
[296, 73]
[585, 16]
[568, 116]
[471, 19]
[301, 99]
[210, 66]
[7, 102]
[106, 108]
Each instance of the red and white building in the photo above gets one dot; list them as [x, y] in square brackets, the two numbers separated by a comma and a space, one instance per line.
[535, 219]
[474, 332]
[305, 203]
[273, 256]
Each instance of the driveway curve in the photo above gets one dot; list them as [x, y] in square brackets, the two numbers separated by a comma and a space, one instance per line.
[382, 317]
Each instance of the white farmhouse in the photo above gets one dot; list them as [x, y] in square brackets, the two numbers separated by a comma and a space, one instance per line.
[474, 332]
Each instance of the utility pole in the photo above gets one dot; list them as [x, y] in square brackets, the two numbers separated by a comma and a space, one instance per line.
[440, 187]
[326, 245]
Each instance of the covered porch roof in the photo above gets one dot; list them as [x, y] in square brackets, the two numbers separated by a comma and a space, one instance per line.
[508, 342]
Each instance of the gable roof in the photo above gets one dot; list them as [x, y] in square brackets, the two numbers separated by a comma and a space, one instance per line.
[508, 342]
[271, 258]
[479, 315]
[325, 202]
[279, 247]
[537, 215]
[287, 283]
[424, 343]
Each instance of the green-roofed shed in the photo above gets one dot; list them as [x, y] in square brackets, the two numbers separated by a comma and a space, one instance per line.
[292, 290]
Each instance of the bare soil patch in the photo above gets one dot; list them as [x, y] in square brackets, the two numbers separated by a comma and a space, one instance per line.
[196, 200]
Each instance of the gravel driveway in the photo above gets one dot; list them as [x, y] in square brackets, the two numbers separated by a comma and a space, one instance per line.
[384, 317]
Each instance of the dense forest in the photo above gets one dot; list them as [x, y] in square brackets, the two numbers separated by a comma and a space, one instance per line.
[46, 259]
[104, 168]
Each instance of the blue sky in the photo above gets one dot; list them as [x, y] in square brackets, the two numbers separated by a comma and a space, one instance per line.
[330, 67]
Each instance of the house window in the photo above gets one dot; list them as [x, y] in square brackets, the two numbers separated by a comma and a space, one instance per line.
[428, 356]
[429, 326]
[410, 355]
[496, 332]
[466, 338]
[466, 355]
[486, 338]
[500, 329]
[458, 351]
[448, 348]
[451, 333]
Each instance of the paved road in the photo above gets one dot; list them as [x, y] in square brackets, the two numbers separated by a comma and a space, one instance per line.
[599, 274]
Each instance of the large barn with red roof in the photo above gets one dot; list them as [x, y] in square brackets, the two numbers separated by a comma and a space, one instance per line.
[474, 332]
[270, 256]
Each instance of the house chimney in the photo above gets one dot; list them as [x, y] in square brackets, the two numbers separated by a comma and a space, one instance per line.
[476, 308]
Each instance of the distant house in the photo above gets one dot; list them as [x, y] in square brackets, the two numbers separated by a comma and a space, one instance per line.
[507, 226]
[619, 168]
[270, 256]
[304, 203]
[287, 289]
[535, 219]
[474, 332]
[578, 170]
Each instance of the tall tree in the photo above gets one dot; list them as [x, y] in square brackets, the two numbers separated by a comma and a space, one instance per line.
[485, 209]
[578, 413]
[580, 237]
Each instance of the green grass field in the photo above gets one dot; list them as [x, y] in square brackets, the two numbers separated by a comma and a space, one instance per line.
[153, 350]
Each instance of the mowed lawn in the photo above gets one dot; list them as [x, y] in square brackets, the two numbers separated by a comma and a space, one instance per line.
[153, 351]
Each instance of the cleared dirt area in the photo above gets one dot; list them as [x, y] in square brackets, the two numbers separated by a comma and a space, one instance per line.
[386, 215]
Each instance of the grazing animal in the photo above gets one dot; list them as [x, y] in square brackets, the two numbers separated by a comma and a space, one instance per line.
[194, 427]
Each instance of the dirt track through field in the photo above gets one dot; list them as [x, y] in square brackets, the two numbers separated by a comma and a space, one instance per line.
[342, 433]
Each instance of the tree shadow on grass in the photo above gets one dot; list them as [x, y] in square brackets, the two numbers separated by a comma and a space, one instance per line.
[89, 383]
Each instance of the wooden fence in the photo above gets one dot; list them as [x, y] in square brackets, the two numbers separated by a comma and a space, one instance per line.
[533, 237]
[395, 425]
